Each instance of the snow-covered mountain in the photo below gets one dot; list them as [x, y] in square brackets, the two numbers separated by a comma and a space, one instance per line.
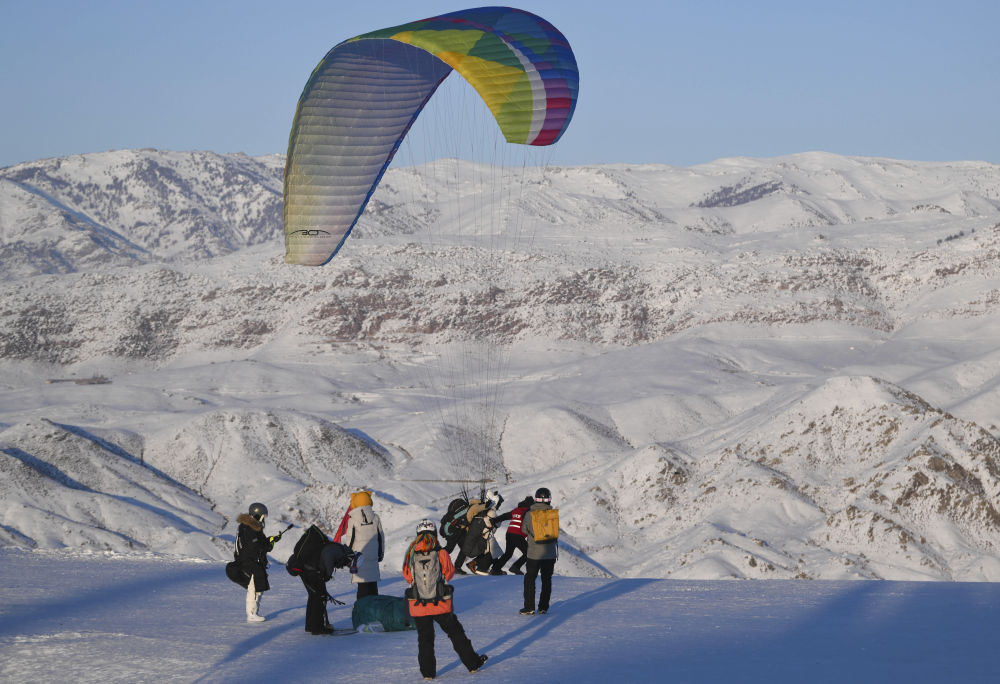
[134, 206]
[751, 368]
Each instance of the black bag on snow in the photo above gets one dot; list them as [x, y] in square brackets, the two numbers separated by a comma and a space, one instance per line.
[305, 555]
[237, 574]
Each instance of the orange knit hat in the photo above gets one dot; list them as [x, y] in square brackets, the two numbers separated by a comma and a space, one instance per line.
[362, 498]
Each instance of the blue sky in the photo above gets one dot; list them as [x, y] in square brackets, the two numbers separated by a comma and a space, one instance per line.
[677, 83]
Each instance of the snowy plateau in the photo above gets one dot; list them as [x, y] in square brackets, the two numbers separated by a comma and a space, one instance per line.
[754, 368]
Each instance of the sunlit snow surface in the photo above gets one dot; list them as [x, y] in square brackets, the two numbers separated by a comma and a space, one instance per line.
[100, 618]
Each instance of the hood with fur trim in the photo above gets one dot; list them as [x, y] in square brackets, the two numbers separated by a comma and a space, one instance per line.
[245, 519]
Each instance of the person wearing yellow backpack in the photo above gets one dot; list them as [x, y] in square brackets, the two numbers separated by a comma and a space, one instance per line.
[541, 529]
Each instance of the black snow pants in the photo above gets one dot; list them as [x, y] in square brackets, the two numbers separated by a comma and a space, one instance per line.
[514, 542]
[453, 541]
[458, 540]
[425, 642]
[316, 617]
[367, 589]
[534, 568]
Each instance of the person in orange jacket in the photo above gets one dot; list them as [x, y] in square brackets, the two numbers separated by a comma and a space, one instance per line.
[427, 568]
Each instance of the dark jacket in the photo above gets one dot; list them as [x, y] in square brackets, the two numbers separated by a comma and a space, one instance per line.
[332, 557]
[477, 539]
[252, 548]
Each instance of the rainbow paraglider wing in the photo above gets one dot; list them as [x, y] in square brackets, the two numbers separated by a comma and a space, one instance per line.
[365, 94]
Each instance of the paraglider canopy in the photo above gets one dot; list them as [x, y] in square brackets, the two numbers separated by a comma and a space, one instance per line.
[364, 96]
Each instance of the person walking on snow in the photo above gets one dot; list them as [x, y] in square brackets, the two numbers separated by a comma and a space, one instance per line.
[427, 568]
[252, 547]
[479, 540]
[453, 528]
[515, 539]
[363, 534]
[475, 508]
[542, 557]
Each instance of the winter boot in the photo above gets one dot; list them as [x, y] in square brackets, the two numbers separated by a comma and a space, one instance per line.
[482, 661]
[253, 605]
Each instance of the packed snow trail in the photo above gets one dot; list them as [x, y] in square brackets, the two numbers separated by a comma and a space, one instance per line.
[102, 618]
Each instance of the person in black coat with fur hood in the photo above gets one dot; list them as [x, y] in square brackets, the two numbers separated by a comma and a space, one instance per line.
[252, 547]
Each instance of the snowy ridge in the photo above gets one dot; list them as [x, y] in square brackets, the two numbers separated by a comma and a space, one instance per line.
[766, 368]
[134, 206]
[66, 486]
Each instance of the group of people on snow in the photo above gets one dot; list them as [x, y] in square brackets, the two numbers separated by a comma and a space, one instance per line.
[359, 544]
[471, 527]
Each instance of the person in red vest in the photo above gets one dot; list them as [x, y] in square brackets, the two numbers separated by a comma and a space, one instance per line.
[515, 539]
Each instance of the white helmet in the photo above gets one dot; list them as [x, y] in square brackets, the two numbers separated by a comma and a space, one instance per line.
[426, 525]
[494, 499]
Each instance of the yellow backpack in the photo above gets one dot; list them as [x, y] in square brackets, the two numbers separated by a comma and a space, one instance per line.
[545, 524]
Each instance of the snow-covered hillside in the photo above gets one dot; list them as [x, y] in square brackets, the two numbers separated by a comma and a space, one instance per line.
[766, 368]
[134, 206]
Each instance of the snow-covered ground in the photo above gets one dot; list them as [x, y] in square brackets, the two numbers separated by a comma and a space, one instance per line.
[106, 618]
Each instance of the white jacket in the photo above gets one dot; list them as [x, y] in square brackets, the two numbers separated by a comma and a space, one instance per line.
[364, 534]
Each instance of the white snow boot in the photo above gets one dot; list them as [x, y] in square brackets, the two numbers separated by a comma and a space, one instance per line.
[253, 604]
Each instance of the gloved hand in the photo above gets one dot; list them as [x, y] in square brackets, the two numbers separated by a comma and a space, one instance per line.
[275, 539]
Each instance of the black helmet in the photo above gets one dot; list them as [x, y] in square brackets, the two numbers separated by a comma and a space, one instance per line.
[258, 511]
[543, 495]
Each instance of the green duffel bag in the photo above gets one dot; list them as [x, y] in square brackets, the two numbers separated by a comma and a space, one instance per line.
[391, 612]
